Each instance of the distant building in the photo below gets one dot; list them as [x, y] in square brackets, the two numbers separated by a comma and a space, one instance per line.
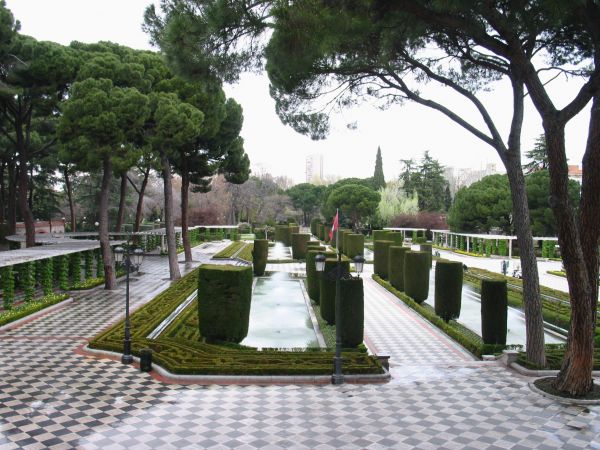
[575, 172]
[314, 168]
[465, 176]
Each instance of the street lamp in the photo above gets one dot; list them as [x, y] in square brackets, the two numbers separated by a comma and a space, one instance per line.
[129, 261]
[359, 261]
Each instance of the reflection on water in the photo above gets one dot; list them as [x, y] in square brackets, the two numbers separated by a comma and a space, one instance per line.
[279, 251]
[279, 316]
[470, 316]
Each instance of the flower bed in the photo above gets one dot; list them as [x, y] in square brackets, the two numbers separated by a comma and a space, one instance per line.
[24, 309]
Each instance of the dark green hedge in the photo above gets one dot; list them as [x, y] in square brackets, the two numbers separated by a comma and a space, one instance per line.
[396, 266]
[416, 275]
[448, 289]
[224, 296]
[282, 234]
[353, 312]
[320, 232]
[354, 244]
[494, 311]
[380, 258]
[379, 235]
[396, 237]
[326, 231]
[260, 254]
[427, 248]
[313, 226]
[299, 241]
[327, 289]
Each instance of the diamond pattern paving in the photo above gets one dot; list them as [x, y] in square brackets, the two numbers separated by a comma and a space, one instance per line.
[51, 397]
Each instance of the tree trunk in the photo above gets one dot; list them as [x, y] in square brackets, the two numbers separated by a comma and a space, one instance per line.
[575, 376]
[169, 225]
[70, 198]
[122, 195]
[140, 203]
[23, 183]
[12, 200]
[2, 193]
[110, 281]
[531, 284]
[185, 187]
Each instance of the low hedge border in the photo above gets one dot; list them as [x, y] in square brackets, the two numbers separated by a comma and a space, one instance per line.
[554, 358]
[558, 273]
[31, 307]
[189, 356]
[230, 250]
[468, 339]
[91, 283]
[460, 252]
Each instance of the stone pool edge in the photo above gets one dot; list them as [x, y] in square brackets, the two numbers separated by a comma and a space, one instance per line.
[163, 375]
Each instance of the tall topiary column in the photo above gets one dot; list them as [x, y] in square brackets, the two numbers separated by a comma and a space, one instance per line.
[313, 226]
[280, 233]
[353, 312]
[293, 229]
[75, 267]
[299, 241]
[224, 296]
[396, 237]
[380, 258]
[326, 231]
[448, 289]
[416, 275]
[260, 255]
[312, 280]
[354, 245]
[494, 311]
[327, 289]
[427, 248]
[396, 266]
[379, 235]
[343, 233]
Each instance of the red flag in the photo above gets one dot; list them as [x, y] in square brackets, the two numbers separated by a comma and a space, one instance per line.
[335, 225]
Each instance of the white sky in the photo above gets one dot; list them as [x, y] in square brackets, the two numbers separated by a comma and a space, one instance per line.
[402, 132]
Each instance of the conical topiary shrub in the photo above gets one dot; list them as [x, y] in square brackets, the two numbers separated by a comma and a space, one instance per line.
[260, 254]
[380, 258]
[416, 275]
[396, 266]
[494, 306]
[353, 312]
[354, 245]
[448, 289]
[379, 235]
[299, 241]
[327, 289]
[427, 248]
[312, 280]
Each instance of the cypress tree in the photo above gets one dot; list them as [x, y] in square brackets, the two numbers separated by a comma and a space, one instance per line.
[378, 179]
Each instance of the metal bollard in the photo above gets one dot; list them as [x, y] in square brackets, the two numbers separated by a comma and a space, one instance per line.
[145, 360]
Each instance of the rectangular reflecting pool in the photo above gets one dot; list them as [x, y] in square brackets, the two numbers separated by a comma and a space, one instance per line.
[279, 316]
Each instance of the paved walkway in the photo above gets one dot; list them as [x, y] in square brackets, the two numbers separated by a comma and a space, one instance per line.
[53, 397]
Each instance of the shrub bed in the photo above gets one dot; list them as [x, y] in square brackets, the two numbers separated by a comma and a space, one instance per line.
[260, 254]
[184, 355]
[24, 309]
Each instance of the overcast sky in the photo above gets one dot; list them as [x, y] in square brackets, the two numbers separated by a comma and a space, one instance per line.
[402, 132]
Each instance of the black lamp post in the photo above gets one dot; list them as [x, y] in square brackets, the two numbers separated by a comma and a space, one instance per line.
[338, 376]
[130, 262]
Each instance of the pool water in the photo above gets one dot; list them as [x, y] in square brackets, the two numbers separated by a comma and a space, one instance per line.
[279, 316]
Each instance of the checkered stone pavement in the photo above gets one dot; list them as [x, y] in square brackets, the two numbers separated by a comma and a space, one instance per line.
[52, 397]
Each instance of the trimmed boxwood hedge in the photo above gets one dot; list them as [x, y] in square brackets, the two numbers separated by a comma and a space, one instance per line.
[380, 258]
[354, 245]
[416, 275]
[327, 289]
[379, 235]
[494, 311]
[224, 296]
[283, 234]
[313, 226]
[395, 236]
[353, 312]
[188, 356]
[326, 231]
[396, 266]
[312, 279]
[299, 241]
[260, 254]
[427, 249]
[448, 289]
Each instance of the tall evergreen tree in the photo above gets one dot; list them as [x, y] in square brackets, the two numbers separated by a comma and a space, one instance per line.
[538, 156]
[378, 178]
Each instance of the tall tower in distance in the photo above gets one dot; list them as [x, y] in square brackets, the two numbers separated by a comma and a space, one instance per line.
[314, 168]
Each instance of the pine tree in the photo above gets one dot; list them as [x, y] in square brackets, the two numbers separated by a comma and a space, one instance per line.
[378, 179]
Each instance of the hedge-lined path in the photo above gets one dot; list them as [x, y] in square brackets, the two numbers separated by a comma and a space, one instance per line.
[52, 397]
